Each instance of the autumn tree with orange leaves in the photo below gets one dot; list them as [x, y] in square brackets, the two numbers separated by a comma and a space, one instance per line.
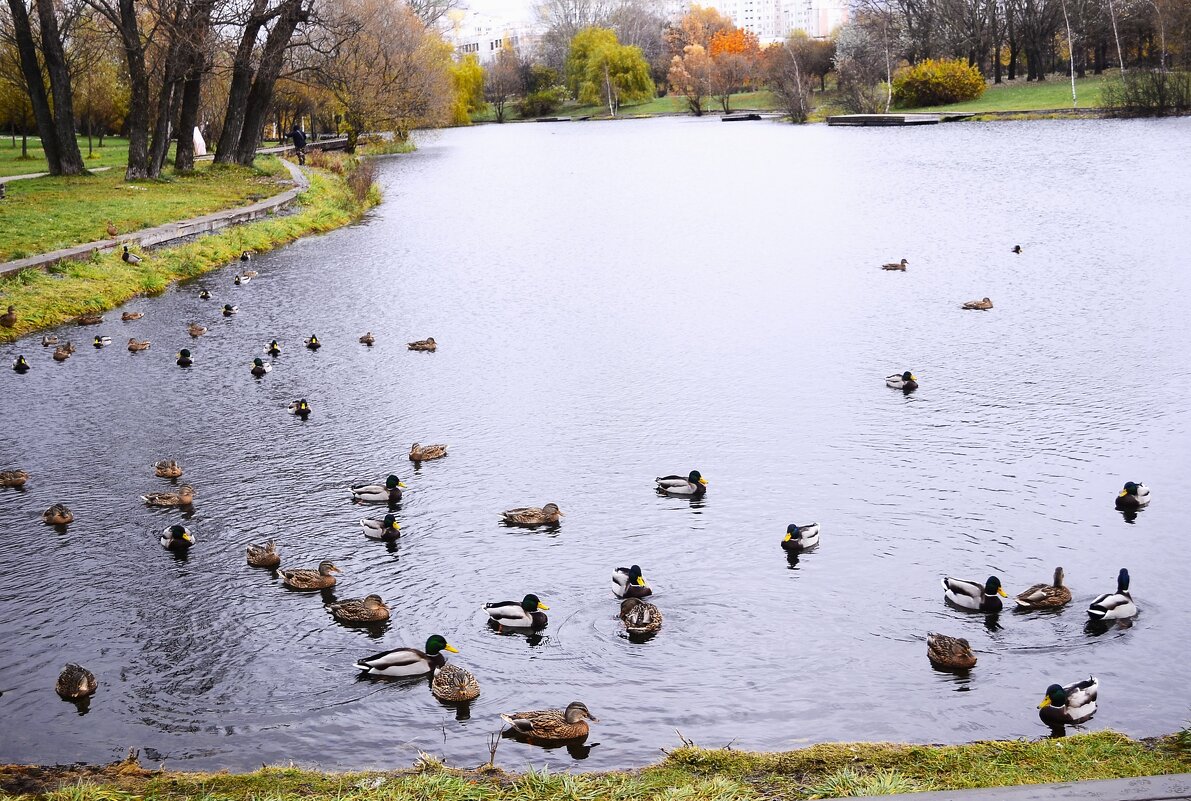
[735, 54]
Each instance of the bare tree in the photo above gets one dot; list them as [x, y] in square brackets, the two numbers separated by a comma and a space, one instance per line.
[503, 81]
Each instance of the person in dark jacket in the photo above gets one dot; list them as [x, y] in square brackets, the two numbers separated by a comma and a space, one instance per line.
[299, 143]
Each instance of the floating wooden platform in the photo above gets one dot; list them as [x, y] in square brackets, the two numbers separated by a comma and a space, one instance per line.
[867, 120]
[747, 116]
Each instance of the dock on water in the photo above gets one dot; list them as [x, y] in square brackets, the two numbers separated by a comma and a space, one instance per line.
[895, 119]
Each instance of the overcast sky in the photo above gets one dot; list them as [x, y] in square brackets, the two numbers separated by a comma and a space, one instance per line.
[507, 9]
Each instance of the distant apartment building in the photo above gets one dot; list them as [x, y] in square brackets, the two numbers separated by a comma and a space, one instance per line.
[819, 18]
[773, 20]
[484, 35]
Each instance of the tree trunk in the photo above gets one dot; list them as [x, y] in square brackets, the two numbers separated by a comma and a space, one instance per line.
[237, 100]
[266, 77]
[996, 58]
[31, 71]
[70, 160]
[137, 119]
[191, 94]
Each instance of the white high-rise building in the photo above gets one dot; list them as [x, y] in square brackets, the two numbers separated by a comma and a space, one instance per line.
[762, 17]
[773, 20]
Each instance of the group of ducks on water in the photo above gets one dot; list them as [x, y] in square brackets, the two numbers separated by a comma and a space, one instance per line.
[984, 304]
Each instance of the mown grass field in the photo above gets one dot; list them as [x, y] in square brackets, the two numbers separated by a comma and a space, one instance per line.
[1053, 93]
[113, 154]
[686, 774]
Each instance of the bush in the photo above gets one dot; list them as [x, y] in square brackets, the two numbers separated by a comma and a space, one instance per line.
[360, 179]
[1147, 93]
[937, 83]
[542, 102]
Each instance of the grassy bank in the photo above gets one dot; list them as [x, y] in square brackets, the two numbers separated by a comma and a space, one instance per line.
[1053, 93]
[113, 154]
[688, 773]
[49, 298]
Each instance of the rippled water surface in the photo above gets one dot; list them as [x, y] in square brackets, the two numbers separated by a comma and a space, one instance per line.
[615, 301]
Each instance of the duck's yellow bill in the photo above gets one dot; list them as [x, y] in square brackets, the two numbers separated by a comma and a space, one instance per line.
[543, 606]
[451, 648]
[401, 485]
[1045, 702]
[188, 537]
[1123, 493]
[641, 581]
[1001, 592]
[703, 481]
[787, 537]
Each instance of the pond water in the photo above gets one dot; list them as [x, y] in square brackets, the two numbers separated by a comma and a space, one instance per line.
[617, 301]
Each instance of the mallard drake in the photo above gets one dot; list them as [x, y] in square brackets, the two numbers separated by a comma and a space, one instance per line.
[75, 682]
[184, 359]
[176, 538]
[101, 342]
[906, 382]
[90, 318]
[453, 684]
[61, 354]
[57, 515]
[547, 515]
[263, 555]
[241, 279]
[196, 330]
[369, 609]
[1070, 705]
[514, 615]
[20, 366]
[974, 597]
[800, 538]
[204, 294]
[229, 309]
[694, 484]
[245, 256]
[424, 344]
[167, 468]
[367, 339]
[273, 348]
[1045, 596]
[389, 492]
[183, 497]
[129, 317]
[424, 453]
[408, 661]
[1133, 496]
[112, 229]
[260, 367]
[1017, 248]
[949, 653]
[896, 265]
[627, 582]
[552, 724]
[130, 258]
[300, 408]
[9, 318]
[1114, 605]
[319, 579]
[135, 345]
[640, 617]
[313, 342]
[385, 530]
[48, 340]
[13, 478]
[978, 305]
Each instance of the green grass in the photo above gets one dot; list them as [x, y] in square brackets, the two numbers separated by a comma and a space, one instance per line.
[44, 214]
[50, 298]
[113, 154]
[1053, 93]
[686, 774]
[670, 104]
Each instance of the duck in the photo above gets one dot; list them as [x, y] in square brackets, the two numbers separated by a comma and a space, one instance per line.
[131, 316]
[176, 538]
[368, 339]
[389, 492]
[385, 530]
[369, 609]
[101, 342]
[640, 617]
[135, 345]
[1045, 596]
[13, 478]
[949, 653]
[167, 468]
[906, 382]
[693, 485]
[196, 330]
[1134, 496]
[183, 497]
[48, 340]
[204, 294]
[248, 274]
[75, 682]
[552, 724]
[57, 515]
[974, 597]
[454, 684]
[241, 279]
[896, 265]
[260, 367]
[547, 515]
[627, 582]
[424, 344]
[313, 343]
[319, 579]
[245, 256]
[300, 408]
[800, 538]
[273, 348]
[62, 353]
[513, 615]
[978, 305]
[184, 359]
[263, 555]
[89, 318]
[424, 453]
[229, 309]
[9, 318]
[1070, 705]
[1016, 249]
[1114, 605]
[20, 366]
[130, 258]
[112, 229]
[408, 661]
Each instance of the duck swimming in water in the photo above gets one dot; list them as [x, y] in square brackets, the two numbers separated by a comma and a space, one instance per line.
[949, 653]
[1070, 705]
[900, 266]
[552, 725]
[300, 408]
[389, 492]
[176, 538]
[800, 538]
[260, 367]
[20, 366]
[972, 596]
[693, 485]
[513, 615]
[1045, 596]
[313, 343]
[627, 582]
[978, 305]
[1114, 605]
[184, 359]
[1133, 496]
[408, 661]
[320, 579]
[906, 382]
[547, 515]
[385, 530]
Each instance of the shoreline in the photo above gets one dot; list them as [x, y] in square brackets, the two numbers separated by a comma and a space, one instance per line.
[687, 772]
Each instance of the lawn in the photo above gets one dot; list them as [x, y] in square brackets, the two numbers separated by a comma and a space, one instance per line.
[44, 214]
[1053, 93]
[113, 154]
[670, 104]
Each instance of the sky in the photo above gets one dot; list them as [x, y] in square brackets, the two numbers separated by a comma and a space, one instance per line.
[506, 9]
